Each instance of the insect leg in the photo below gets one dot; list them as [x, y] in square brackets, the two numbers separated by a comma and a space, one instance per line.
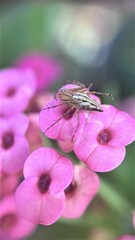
[89, 87]
[77, 83]
[76, 126]
[52, 107]
[105, 94]
[64, 115]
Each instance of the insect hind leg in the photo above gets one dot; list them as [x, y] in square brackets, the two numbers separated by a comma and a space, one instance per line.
[78, 123]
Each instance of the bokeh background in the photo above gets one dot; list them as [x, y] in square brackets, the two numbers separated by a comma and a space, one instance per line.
[95, 43]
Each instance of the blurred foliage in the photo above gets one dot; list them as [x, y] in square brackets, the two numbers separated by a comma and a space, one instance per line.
[27, 27]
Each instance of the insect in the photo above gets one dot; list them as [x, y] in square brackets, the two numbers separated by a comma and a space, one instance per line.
[77, 99]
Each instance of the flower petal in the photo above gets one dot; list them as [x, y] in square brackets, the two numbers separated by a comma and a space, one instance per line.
[105, 158]
[123, 129]
[87, 141]
[12, 160]
[36, 207]
[86, 186]
[19, 227]
[40, 161]
[54, 125]
[61, 175]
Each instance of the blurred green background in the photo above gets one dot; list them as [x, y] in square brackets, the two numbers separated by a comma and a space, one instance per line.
[95, 42]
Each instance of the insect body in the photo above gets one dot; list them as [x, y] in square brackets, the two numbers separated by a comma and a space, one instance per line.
[79, 100]
[76, 99]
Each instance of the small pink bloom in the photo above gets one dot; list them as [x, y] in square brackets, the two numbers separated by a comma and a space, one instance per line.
[101, 144]
[8, 183]
[80, 192]
[42, 98]
[134, 218]
[14, 147]
[38, 101]
[47, 69]
[55, 125]
[58, 121]
[17, 88]
[33, 132]
[126, 237]
[66, 146]
[128, 105]
[12, 226]
[40, 197]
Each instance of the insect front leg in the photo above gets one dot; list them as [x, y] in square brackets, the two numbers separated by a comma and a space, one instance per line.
[104, 94]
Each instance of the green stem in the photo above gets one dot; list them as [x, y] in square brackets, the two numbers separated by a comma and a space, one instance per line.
[113, 198]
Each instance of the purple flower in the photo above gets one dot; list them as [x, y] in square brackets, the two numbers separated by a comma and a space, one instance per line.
[46, 68]
[80, 192]
[12, 226]
[14, 147]
[40, 197]
[17, 88]
[101, 144]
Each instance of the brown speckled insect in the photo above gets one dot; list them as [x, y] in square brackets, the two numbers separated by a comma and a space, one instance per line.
[77, 99]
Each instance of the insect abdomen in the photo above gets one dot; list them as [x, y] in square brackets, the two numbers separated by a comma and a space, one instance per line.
[83, 101]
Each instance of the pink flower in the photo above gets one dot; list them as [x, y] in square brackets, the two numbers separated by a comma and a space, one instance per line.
[64, 126]
[66, 146]
[42, 98]
[128, 105]
[38, 101]
[33, 132]
[47, 69]
[101, 144]
[126, 237]
[17, 88]
[80, 192]
[12, 226]
[134, 218]
[14, 147]
[8, 183]
[40, 197]
[58, 121]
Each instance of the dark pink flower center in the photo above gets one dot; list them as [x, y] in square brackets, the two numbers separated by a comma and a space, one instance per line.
[7, 221]
[104, 137]
[70, 190]
[44, 183]
[68, 113]
[11, 92]
[7, 140]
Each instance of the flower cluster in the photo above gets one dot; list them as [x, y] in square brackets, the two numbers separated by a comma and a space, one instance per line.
[17, 88]
[53, 185]
[21, 98]
[97, 138]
